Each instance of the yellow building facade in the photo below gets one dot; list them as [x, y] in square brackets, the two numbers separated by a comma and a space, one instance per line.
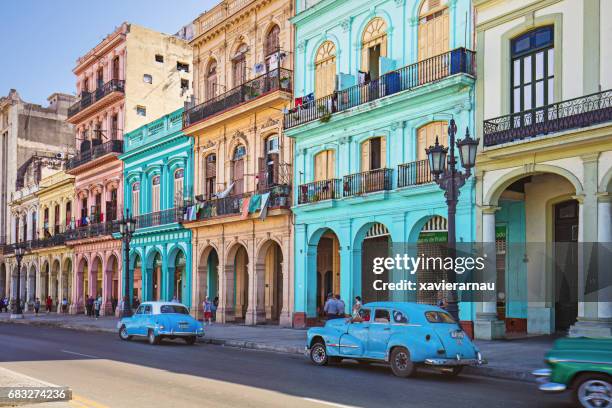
[241, 220]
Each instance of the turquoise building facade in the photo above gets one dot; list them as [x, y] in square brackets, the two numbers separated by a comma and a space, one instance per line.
[158, 179]
[375, 84]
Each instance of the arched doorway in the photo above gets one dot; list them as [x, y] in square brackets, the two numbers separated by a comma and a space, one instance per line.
[156, 277]
[431, 243]
[67, 277]
[113, 265]
[270, 278]
[137, 287]
[96, 276]
[327, 267]
[82, 292]
[179, 276]
[534, 222]
[237, 282]
[375, 244]
[54, 285]
[208, 277]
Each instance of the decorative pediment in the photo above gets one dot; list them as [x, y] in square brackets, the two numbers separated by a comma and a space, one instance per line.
[270, 123]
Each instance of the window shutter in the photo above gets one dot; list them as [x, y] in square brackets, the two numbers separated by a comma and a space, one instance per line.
[331, 165]
[383, 152]
[365, 156]
[320, 166]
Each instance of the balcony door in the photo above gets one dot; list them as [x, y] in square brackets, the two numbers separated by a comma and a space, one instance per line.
[179, 177]
[115, 68]
[155, 193]
[324, 165]
[210, 183]
[433, 39]
[373, 46]
[532, 76]
[136, 199]
[373, 154]
[325, 69]
[239, 66]
[238, 169]
[211, 80]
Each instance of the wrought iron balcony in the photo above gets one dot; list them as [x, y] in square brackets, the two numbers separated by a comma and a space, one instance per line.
[89, 98]
[414, 173]
[557, 117]
[112, 146]
[163, 217]
[278, 79]
[367, 182]
[280, 197]
[457, 61]
[48, 242]
[92, 230]
[320, 191]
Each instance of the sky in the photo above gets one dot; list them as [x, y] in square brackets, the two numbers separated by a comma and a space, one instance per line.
[40, 40]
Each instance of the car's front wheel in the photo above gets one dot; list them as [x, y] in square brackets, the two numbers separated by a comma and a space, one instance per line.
[123, 334]
[190, 340]
[318, 354]
[153, 339]
[593, 390]
[401, 365]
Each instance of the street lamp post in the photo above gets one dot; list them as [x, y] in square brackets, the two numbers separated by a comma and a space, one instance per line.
[127, 226]
[18, 313]
[450, 181]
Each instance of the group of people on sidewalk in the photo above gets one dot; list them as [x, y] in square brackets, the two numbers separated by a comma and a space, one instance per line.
[210, 309]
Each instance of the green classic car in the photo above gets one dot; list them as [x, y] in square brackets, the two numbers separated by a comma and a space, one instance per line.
[582, 366]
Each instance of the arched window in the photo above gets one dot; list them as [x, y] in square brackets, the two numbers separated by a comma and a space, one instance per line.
[373, 46]
[155, 193]
[325, 165]
[238, 169]
[272, 48]
[426, 136]
[210, 175]
[211, 80]
[374, 154]
[533, 70]
[325, 69]
[433, 28]
[239, 65]
[179, 177]
[136, 199]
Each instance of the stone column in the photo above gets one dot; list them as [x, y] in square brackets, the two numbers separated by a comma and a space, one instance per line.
[225, 313]
[285, 314]
[256, 312]
[604, 239]
[487, 326]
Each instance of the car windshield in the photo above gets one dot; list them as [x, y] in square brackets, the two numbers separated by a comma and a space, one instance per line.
[173, 309]
[438, 317]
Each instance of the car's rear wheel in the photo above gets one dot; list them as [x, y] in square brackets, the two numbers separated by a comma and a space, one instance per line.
[401, 365]
[318, 354]
[593, 390]
[452, 371]
[190, 340]
[153, 339]
[123, 334]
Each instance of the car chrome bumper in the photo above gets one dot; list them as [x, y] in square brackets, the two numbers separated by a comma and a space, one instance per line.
[179, 333]
[455, 362]
[542, 377]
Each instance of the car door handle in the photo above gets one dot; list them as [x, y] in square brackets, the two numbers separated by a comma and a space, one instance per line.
[387, 328]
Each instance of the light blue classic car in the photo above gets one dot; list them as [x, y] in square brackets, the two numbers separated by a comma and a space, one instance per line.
[405, 335]
[157, 320]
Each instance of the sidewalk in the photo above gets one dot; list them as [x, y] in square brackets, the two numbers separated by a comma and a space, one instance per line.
[508, 359]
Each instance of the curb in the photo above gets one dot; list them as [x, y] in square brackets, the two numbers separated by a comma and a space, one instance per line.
[484, 371]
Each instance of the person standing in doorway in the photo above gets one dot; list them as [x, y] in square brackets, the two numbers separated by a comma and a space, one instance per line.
[207, 307]
[49, 303]
[215, 306]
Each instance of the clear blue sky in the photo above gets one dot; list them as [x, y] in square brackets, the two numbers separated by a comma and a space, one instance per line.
[40, 40]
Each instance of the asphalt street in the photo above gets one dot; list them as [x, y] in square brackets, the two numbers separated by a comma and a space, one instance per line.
[104, 371]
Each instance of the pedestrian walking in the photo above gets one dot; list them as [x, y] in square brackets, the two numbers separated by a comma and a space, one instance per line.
[4, 303]
[36, 306]
[97, 306]
[114, 304]
[49, 303]
[330, 308]
[340, 307]
[89, 306]
[207, 307]
[64, 305]
[215, 306]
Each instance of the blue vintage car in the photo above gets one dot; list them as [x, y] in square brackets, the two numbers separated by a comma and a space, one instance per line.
[405, 335]
[158, 320]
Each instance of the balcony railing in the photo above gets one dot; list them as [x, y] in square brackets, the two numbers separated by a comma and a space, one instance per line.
[433, 69]
[169, 216]
[280, 197]
[112, 146]
[278, 79]
[557, 117]
[93, 230]
[414, 173]
[367, 182]
[89, 98]
[320, 191]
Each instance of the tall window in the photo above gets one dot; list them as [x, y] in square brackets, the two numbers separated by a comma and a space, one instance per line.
[210, 186]
[373, 154]
[111, 206]
[271, 48]
[56, 219]
[426, 136]
[325, 69]
[239, 66]
[116, 68]
[179, 177]
[136, 199]
[100, 77]
[533, 63]
[433, 28]
[324, 165]
[211, 80]
[155, 193]
[68, 212]
[373, 46]
[114, 126]
[238, 169]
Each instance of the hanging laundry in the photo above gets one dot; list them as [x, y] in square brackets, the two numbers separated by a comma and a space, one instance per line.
[225, 192]
[273, 62]
[245, 207]
[264, 206]
[255, 203]
[298, 102]
[259, 68]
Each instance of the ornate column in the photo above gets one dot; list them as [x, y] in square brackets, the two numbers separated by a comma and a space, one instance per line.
[288, 257]
[487, 326]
